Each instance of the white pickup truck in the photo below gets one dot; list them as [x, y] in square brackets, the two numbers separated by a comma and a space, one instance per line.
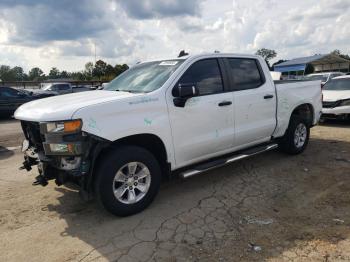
[179, 116]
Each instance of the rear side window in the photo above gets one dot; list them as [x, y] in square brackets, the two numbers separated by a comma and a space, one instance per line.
[62, 87]
[245, 73]
[206, 75]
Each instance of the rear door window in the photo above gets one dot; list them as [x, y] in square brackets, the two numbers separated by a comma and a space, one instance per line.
[245, 73]
[63, 87]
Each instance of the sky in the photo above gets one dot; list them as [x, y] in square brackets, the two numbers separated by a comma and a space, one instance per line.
[65, 33]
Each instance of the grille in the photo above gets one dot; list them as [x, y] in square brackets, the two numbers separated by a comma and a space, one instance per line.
[31, 131]
[330, 104]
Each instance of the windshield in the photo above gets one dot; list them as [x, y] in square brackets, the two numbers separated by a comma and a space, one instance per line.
[145, 77]
[337, 84]
[323, 78]
[46, 87]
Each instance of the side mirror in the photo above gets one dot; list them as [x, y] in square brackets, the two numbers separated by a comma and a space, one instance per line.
[20, 94]
[182, 92]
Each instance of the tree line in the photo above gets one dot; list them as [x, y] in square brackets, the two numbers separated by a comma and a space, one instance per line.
[103, 71]
[98, 71]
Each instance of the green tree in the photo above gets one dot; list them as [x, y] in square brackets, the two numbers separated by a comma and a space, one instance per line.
[18, 73]
[267, 54]
[110, 73]
[78, 75]
[64, 74]
[120, 68]
[100, 69]
[89, 67]
[54, 73]
[338, 53]
[36, 74]
[6, 74]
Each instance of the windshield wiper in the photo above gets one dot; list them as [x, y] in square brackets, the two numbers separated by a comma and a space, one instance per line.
[129, 91]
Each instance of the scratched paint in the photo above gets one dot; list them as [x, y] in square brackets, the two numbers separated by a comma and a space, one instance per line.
[216, 133]
[93, 124]
[143, 100]
[147, 121]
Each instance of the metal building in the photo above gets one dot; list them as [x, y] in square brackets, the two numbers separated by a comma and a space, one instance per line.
[312, 64]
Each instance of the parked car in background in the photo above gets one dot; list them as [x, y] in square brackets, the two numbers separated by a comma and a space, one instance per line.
[336, 98]
[324, 77]
[65, 88]
[81, 88]
[60, 88]
[11, 99]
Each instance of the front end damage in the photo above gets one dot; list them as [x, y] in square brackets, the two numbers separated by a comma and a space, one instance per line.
[62, 152]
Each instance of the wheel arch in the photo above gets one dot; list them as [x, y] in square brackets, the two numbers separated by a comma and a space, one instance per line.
[305, 111]
[150, 142]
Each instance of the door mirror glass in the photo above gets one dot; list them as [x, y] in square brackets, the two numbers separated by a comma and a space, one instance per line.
[186, 90]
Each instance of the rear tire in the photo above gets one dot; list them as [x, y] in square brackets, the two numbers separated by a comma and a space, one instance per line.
[128, 179]
[296, 137]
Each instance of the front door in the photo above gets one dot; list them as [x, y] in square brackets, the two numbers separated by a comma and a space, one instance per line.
[204, 126]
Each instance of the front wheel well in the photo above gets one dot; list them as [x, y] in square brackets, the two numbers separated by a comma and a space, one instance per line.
[306, 112]
[150, 142]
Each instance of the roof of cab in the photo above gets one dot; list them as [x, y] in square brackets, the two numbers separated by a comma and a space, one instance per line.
[208, 55]
[341, 77]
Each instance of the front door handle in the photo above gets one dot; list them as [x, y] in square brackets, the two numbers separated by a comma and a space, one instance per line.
[268, 96]
[225, 103]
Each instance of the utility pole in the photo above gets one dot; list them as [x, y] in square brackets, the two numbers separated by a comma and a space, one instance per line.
[95, 51]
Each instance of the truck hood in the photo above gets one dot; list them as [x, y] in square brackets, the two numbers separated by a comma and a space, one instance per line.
[329, 95]
[63, 107]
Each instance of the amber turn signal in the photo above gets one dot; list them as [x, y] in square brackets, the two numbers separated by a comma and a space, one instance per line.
[71, 126]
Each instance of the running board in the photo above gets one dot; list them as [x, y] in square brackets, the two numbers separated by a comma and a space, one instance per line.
[224, 161]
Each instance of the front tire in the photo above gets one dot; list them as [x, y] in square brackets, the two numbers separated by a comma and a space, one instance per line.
[128, 179]
[296, 137]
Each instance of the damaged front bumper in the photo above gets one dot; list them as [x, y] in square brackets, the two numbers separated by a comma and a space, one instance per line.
[65, 156]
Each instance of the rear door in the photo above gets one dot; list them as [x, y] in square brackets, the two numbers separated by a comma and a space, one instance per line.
[255, 101]
[204, 126]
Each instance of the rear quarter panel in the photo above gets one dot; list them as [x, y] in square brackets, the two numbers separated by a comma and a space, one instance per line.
[290, 96]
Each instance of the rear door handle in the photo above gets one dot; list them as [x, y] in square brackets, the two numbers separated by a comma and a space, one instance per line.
[268, 96]
[225, 103]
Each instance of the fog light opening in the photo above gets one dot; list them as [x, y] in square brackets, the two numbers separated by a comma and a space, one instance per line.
[70, 163]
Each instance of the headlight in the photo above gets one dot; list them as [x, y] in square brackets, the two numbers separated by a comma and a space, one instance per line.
[62, 137]
[63, 148]
[345, 103]
[70, 126]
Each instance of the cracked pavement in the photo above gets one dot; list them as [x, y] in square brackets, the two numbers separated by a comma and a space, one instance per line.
[271, 207]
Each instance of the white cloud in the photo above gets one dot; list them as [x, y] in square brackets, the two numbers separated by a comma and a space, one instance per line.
[63, 33]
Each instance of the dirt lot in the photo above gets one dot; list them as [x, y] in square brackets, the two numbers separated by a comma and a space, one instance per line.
[270, 207]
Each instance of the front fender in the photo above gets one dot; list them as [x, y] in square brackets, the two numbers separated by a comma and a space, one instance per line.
[140, 115]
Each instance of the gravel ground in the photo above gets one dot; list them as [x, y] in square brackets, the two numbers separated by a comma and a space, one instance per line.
[271, 207]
